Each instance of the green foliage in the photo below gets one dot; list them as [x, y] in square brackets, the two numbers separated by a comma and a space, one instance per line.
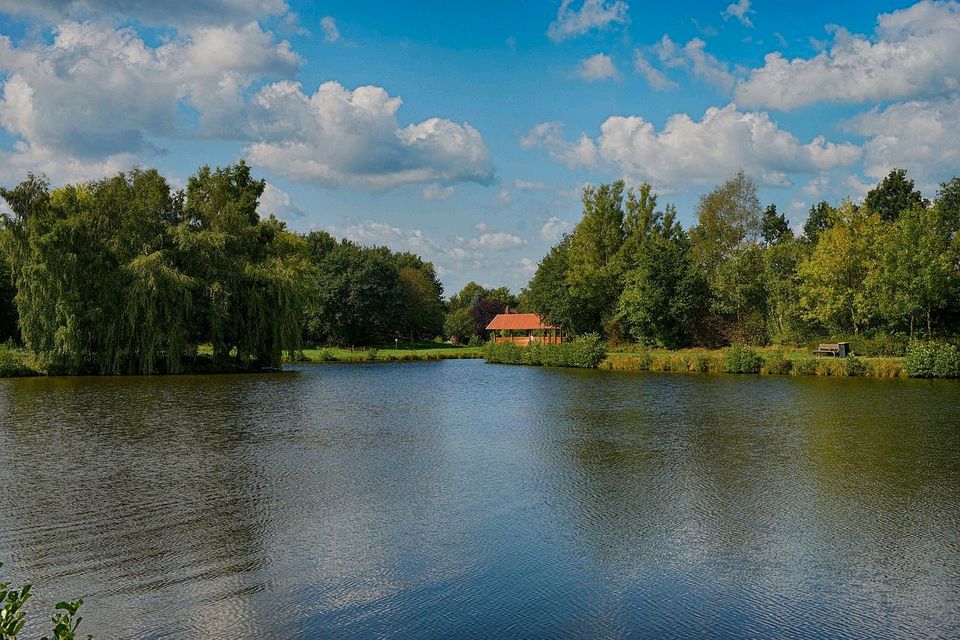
[371, 355]
[742, 359]
[854, 366]
[13, 615]
[583, 352]
[124, 276]
[819, 219]
[777, 364]
[774, 227]
[927, 359]
[894, 195]
[15, 362]
[804, 367]
[458, 326]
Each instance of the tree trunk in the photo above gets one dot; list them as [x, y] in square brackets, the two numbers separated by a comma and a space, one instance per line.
[929, 323]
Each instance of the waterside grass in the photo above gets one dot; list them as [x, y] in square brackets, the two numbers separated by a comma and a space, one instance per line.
[773, 361]
[402, 352]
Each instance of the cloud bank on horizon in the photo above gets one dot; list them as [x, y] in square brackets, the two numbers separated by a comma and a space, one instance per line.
[470, 146]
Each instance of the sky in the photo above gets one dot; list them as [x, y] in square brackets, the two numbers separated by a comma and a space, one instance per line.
[465, 131]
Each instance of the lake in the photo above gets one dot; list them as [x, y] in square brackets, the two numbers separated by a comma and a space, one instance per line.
[461, 499]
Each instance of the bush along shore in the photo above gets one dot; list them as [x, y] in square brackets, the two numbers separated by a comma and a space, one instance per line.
[922, 360]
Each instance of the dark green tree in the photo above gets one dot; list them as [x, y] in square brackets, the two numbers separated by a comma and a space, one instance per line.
[774, 227]
[819, 220]
[894, 195]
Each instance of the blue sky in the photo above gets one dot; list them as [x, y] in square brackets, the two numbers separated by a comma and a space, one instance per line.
[464, 131]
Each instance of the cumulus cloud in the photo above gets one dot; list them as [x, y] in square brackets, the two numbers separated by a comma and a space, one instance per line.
[497, 241]
[740, 10]
[689, 151]
[549, 135]
[182, 13]
[694, 56]
[654, 77]
[914, 52]
[96, 91]
[330, 31]
[597, 67]
[553, 229]
[340, 137]
[592, 14]
[920, 136]
[278, 202]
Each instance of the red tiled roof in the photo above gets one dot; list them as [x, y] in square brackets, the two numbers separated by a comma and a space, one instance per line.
[518, 321]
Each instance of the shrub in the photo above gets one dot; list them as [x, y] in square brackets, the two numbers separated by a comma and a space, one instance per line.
[15, 362]
[854, 366]
[777, 364]
[804, 367]
[12, 600]
[371, 355]
[741, 359]
[326, 355]
[932, 360]
[585, 352]
[475, 341]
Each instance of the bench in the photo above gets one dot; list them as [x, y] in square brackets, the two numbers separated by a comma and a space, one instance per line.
[834, 349]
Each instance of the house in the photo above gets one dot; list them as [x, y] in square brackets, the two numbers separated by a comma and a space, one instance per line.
[523, 329]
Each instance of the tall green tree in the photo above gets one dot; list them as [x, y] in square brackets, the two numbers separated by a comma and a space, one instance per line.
[894, 195]
[917, 276]
[549, 293]
[724, 247]
[820, 219]
[593, 276]
[660, 289]
[833, 279]
[774, 227]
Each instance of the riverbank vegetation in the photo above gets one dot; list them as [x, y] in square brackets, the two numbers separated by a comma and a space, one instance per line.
[878, 274]
[127, 275]
[585, 352]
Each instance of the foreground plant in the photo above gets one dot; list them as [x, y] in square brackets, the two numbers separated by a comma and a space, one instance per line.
[12, 614]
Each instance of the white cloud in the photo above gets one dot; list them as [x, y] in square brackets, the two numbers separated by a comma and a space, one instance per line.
[528, 185]
[597, 67]
[371, 233]
[436, 192]
[918, 136]
[549, 135]
[497, 241]
[97, 92]
[182, 13]
[592, 14]
[914, 52]
[278, 202]
[686, 151]
[654, 77]
[330, 31]
[694, 55]
[553, 229]
[740, 10]
[341, 137]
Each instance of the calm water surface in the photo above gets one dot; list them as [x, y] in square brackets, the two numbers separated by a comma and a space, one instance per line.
[460, 499]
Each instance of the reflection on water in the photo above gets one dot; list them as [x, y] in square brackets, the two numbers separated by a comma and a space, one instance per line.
[464, 499]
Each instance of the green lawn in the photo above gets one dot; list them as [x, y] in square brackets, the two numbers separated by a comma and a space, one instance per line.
[404, 351]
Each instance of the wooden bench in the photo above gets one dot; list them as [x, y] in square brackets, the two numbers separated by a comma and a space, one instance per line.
[833, 349]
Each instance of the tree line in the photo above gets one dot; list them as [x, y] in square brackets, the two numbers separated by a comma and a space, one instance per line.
[127, 275]
[740, 274]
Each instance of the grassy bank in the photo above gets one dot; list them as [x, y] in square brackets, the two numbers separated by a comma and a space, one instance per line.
[404, 352]
[772, 361]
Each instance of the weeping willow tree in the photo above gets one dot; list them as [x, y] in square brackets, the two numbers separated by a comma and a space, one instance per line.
[124, 275]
